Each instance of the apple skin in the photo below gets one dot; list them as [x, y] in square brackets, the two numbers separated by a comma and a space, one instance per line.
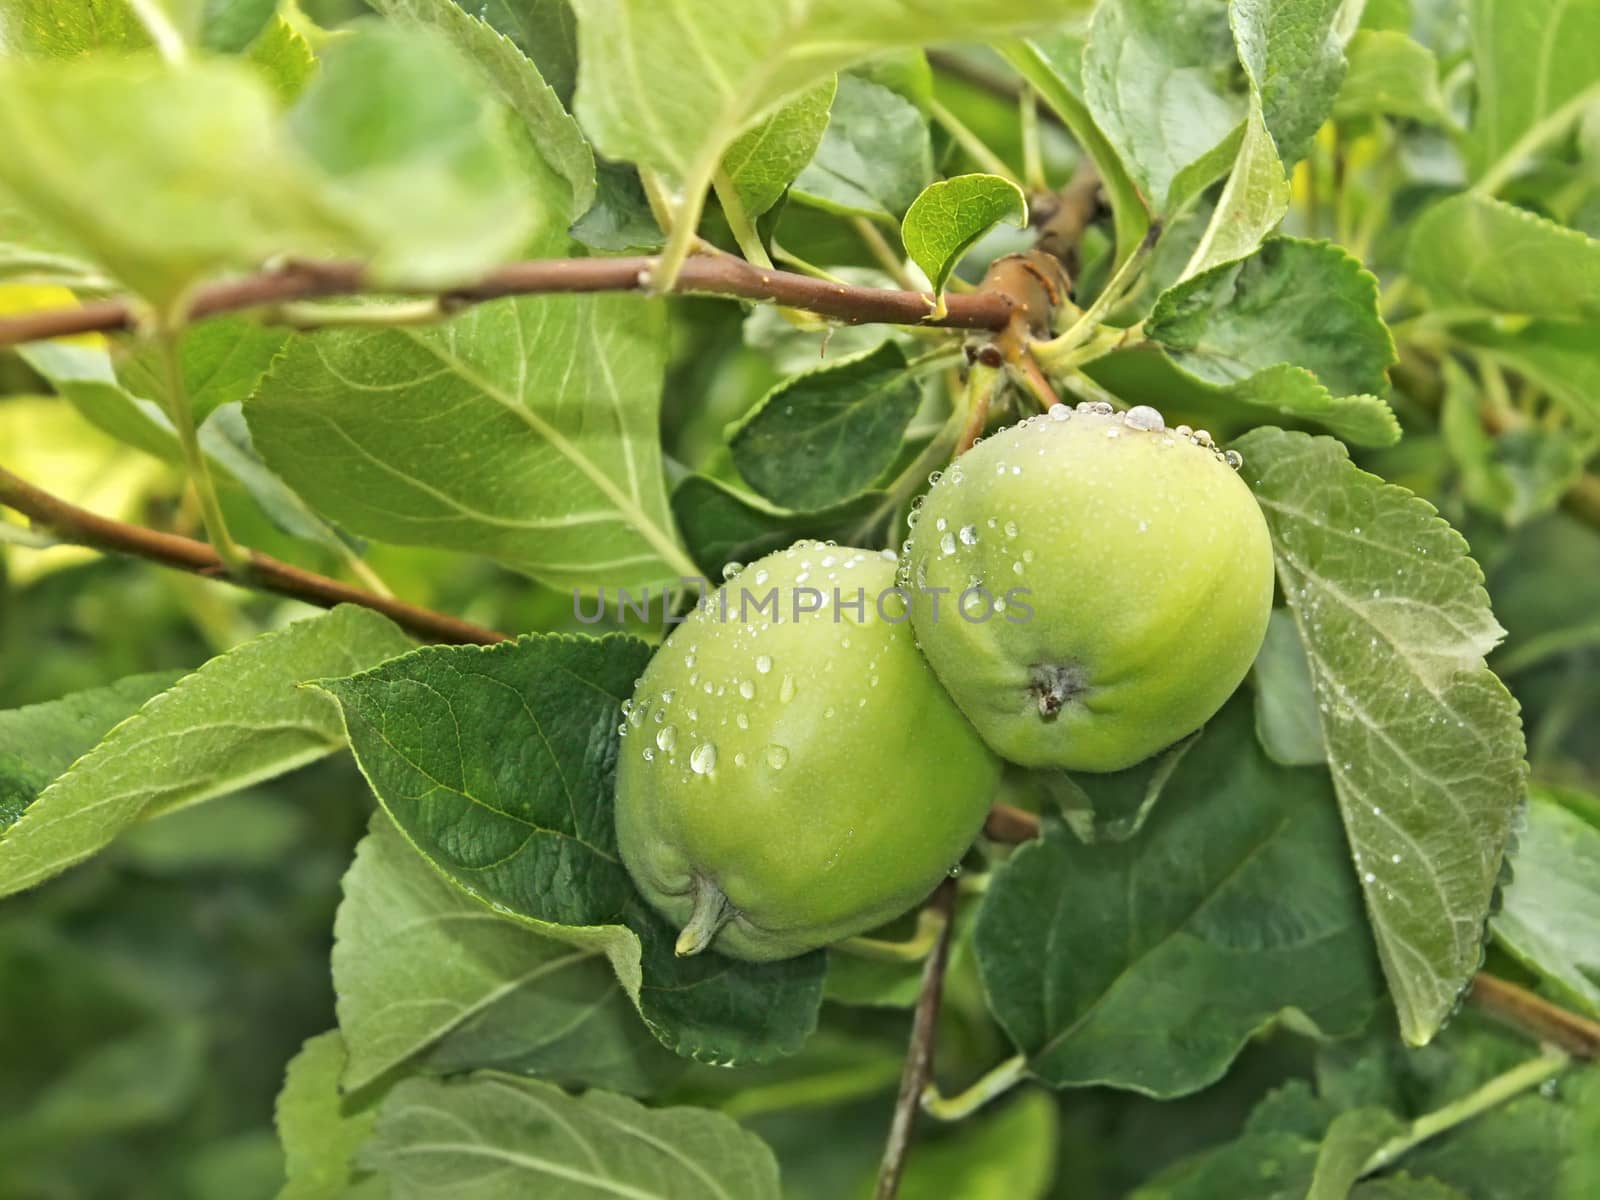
[844, 782]
[1149, 576]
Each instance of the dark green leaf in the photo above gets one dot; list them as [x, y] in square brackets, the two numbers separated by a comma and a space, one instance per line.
[1423, 740]
[1148, 964]
[823, 438]
[499, 765]
[1113, 807]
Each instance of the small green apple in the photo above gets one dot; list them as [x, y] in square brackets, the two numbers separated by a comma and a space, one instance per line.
[791, 772]
[1090, 586]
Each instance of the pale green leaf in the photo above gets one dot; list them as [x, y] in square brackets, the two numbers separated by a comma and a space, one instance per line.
[417, 157]
[319, 1129]
[69, 28]
[509, 73]
[554, 403]
[723, 525]
[1550, 919]
[949, 216]
[1252, 202]
[1470, 250]
[875, 157]
[1148, 964]
[1424, 742]
[426, 974]
[40, 741]
[222, 362]
[239, 719]
[1286, 702]
[1535, 67]
[766, 157]
[1391, 76]
[1157, 77]
[284, 58]
[511, 1139]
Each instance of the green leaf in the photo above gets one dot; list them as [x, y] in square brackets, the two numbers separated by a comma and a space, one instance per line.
[1113, 807]
[223, 360]
[949, 216]
[319, 1128]
[1391, 76]
[765, 159]
[1003, 1156]
[1423, 740]
[1252, 202]
[39, 742]
[1053, 65]
[723, 526]
[1294, 328]
[620, 219]
[672, 86]
[190, 172]
[1470, 250]
[515, 1138]
[874, 159]
[1286, 702]
[1293, 51]
[1158, 79]
[1148, 964]
[824, 437]
[239, 719]
[1262, 1166]
[423, 973]
[418, 158]
[554, 401]
[284, 58]
[1562, 358]
[493, 50]
[1350, 1141]
[1534, 65]
[1404, 1187]
[546, 31]
[1550, 918]
[69, 28]
[518, 814]
[228, 26]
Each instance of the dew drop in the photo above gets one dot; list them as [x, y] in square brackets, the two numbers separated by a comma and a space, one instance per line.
[649, 754]
[762, 576]
[742, 721]
[947, 544]
[763, 663]
[703, 758]
[777, 757]
[830, 712]
[667, 738]
[1059, 412]
[730, 570]
[1011, 529]
[941, 524]
[667, 697]
[688, 661]
[1142, 416]
[747, 689]
[787, 689]
[1233, 458]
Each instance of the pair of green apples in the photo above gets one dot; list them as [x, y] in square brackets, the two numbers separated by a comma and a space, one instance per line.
[815, 747]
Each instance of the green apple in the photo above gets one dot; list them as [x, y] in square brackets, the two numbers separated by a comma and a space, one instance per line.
[791, 772]
[1089, 585]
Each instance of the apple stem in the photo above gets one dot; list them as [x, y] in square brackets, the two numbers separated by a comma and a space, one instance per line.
[711, 912]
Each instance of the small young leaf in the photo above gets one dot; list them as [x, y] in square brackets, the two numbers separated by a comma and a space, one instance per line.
[1252, 202]
[57, 29]
[874, 159]
[767, 157]
[239, 719]
[284, 58]
[1423, 740]
[1550, 919]
[320, 1129]
[39, 742]
[1470, 251]
[520, 1138]
[822, 438]
[1236, 900]
[423, 973]
[553, 399]
[949, 216]
[499, 766]
[1295, 328]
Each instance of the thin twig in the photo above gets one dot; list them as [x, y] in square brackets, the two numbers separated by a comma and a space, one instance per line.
[706, 274]
[1577, 1035]
[919, 1057]
[78, 526]
[1009, 825]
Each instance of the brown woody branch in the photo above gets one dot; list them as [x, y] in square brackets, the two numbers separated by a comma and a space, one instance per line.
[708, 274]
[78, 526]
[919, 1057]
